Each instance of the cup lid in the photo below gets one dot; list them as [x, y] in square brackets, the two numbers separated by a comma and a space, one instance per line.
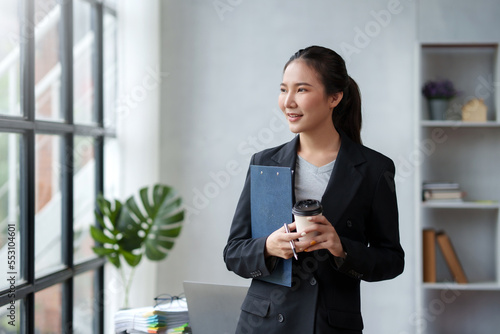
[308, 207]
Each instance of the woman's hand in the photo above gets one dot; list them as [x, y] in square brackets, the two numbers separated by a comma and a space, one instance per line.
[278, 242]
[327, 237]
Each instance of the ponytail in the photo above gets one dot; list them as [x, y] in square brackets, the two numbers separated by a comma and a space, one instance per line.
[331, 68]
[347, 115]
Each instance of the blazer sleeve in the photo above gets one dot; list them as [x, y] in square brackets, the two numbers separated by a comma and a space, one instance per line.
[383, 257]
[244, 255]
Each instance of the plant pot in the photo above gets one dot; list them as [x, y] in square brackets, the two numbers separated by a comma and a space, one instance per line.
[438, 108]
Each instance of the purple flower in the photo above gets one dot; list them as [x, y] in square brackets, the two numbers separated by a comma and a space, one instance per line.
[439, 89]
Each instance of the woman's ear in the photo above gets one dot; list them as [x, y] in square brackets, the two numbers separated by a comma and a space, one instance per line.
[335, 99]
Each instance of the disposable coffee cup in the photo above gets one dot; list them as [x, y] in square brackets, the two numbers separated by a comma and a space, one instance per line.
[303, 210]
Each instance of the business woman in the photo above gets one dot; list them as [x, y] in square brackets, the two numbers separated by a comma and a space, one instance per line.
[357, 235]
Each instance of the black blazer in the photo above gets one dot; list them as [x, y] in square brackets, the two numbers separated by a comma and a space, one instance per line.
[360, 202]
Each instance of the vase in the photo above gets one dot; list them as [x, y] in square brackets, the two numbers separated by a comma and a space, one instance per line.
[438, 108]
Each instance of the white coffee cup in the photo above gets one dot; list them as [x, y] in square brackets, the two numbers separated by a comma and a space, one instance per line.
[303, 210]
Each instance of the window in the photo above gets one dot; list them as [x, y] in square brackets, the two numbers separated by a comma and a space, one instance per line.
[57, 95]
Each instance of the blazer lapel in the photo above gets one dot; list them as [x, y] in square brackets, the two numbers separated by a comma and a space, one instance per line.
[344, 181]
[287, 155]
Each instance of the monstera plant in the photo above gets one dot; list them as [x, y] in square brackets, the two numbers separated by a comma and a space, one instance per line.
[129, 231]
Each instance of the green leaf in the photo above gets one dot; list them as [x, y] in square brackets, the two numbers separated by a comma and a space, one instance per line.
[100, 237]
[114, 259]
[114, 214]
[176, 203]
[104, 205]
[175, 218]
[101, 251]
[153, 253]
[132, 259]
[100, 219]
[163, 211]
[166, 244]
[131, 231]
[132, 206]
[161, 194]
[171, 232]
[145, 201]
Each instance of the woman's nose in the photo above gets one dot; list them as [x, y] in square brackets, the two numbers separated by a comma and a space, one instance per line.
[290, 101]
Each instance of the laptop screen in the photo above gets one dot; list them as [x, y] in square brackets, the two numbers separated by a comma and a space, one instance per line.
[213, 308]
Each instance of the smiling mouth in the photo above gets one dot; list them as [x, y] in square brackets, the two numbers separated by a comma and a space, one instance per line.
[293, 117]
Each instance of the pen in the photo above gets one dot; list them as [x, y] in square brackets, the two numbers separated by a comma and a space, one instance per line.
[292, 243]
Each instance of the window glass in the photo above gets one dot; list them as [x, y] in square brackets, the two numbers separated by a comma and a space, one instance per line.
[48, 201]
[110, 3]
[10, 40]
[110, 70]
[111, 168]
[47, 62]
[54, 174]
[83, 47]
[10, 238]
[83, 197]
[48, 311]
[84, 303]
[10, 314]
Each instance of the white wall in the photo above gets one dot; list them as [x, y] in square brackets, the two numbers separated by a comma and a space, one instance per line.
[461, 21]
[219, 105]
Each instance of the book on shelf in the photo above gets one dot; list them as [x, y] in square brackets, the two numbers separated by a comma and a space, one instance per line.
[429, 255]
[441, 185]
[451, 257]
[439, 195]
[442, 191]
[431, 238]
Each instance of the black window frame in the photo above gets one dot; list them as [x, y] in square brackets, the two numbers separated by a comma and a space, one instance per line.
[27, 126]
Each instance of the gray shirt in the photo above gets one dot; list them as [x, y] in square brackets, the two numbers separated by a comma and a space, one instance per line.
[311, 181]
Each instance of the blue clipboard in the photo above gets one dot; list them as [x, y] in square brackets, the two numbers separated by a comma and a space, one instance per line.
[271, 206]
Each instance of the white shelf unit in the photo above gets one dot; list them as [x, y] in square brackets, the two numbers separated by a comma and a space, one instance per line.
[467, 153]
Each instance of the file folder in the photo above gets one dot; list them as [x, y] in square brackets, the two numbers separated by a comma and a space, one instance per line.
[271, 206]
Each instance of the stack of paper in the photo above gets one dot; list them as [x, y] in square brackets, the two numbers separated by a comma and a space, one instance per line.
[157, 319]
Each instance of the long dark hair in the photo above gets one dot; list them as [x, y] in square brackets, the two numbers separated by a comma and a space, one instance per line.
[331, 68]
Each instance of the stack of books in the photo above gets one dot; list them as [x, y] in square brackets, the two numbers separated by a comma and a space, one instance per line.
[442, 191]
[164, 318]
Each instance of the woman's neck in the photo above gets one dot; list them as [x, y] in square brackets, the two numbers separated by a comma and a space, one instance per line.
[319, 148]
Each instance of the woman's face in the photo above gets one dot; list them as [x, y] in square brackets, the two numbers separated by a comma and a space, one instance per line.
[303, 100]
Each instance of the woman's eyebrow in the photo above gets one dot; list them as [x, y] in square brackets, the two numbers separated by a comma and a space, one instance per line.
[298, 84]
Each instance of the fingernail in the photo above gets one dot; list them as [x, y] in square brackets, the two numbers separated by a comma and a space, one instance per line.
[300, 249]
[313, 243]
[309, 218]
[306, 250]
[303, 234]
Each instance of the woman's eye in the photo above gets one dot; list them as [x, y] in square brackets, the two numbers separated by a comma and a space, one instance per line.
[283, 90]
[301, 90]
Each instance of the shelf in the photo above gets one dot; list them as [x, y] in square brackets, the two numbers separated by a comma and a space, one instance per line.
[467, 153]
[461, 205]
[486, 286]
[460, 124]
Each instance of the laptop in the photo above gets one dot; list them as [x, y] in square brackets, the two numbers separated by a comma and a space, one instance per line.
[213, 308]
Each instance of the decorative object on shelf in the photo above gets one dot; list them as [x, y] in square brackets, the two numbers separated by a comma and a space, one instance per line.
[474, 111]
[438, 94]
[127, 231]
